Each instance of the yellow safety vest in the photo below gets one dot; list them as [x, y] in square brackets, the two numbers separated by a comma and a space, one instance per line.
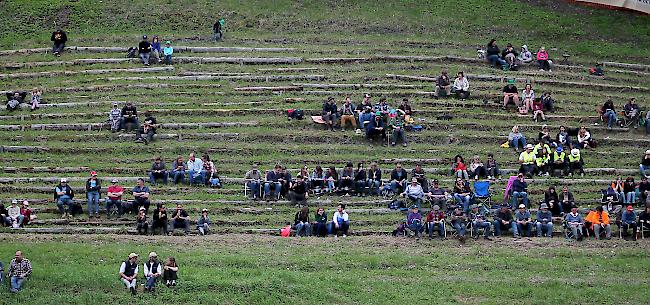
[574, 159]
[544, 159]
[528, 158]
[559, 157]
[538, 147]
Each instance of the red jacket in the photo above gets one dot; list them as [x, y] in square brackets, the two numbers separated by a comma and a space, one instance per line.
[542, 55]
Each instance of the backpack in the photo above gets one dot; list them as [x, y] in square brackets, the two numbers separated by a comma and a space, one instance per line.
[296, 114]
[130, 53]
[397, 205]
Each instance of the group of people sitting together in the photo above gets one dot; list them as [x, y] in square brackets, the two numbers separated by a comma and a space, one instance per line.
[527, 102]
[630, 116]
[154, 271]
[16, 216]
[16, 98]
[319, 225]
[510, 59]
[127, 119]
[154, 49]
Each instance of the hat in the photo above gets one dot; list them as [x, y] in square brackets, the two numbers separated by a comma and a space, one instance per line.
[132, 255]
[93, 173]
[114, 180]
[524, 47]
[574, 206]
[559, 149]
[367, 95]
[630, 208]
[64, 180]
[436, 181]
[543, 206]
[575, 152]
[529, 146]
[168, 42]
[522, 206]
[511, 81]
[415, 207]
[204, 210]
[115, 103]
[436, 207]
[647, 152]
[14, 201]
[142, 209]
[144, 36]
[153, 254]
[25, 203]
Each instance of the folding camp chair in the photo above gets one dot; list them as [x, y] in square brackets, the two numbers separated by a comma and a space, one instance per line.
[482, 196]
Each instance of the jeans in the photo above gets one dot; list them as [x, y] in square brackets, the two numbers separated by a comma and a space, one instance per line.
[148, 136]
[145, 58]
[16, 283]
[611, 117]
[93, 202]
[197, 177]
[460, 227]
[394, 186]
[627, 226]
[254, 187]
[110, 203]
[360, 187]
[177, 176]
[494, 59]
[546, 228]
[277, 186]
[643, 168]
[417, 227]
[153, 176]
[218, 36]
[630, 198]
[330, 185]
[498, 226]
[135, 123]
[184, 224]
[485, 225]
[516, 142]
[515, 199]
[524, 229]
[19, 219]
[168, 60]
[151, 282]
[576, 231]
[303, 229]
[344, 226]
[464, 200]
[320, 229]
[203, 229]
[58, 48]
[431, 226]
[607, 228]
[63, 202]
[416, 201]
[398, 135]
[494, 171]
[374, 185]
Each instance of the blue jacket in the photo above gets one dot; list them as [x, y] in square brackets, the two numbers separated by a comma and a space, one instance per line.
[578, 218]
[374, 124]
[628, 217]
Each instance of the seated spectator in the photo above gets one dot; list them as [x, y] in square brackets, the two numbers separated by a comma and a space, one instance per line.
[519, 190]
[442, 83]
[347, 114]
[476, 168]
[144, 134]
[158, 171]
[15, 99]
[365, 117]
[320, 223]
[360, 180]
[609, 114]
[144, 49]
[543, 60]
[156, 49]
[414, 221]
[340, 221]
[461, 86]
[365, 103]
[170, 271]
[141, 196]
[318, 179]
[211, 177]
[647, 125]
[644, 190]
[114, 194]
[419, 174]
[479, 221]
[178, 170]
[560, 161]
[115, 118]
[538, 110]
[4, 218]
[273, 180]
[458, 168]
[544, 137]
[528, 97]
[168, 52]
[459, 222]
[644, 219]
[20, 269]
[331, 177]
[253, 180]
[286, 181]
[195, 170]
[575, 222]
[406, 109]
[298, 191]
[493, 171]
[346, 179]
[509, 54]
[544, 222]
[396, 123]
[503, 221]
[542, 162]
[566, 199]
[383, 108]
[129, 272]
[628, 220]
[142, 224]
[576, 164]
[618, 186]
[524, 221]
[492, 54]
[548, 102]
[462, 193]
[527, 159]
[436, 219]
[644, 167]
[629, 190]
[599, 220]
[160, 219]
[203, 223]
[632, 112]
[552, 201]
[180, 219]
[28, 214]
[14, 217]
[510, 94]
[374, 178]
[129, 120]
[330, 113]
[516, 139]
[152, 271]
[414, 193]
[63, 195]
[376, 128]
[36, 99]
[525, 56]
[562, 138]
[59, 38]
[398, 179]
[437, 195]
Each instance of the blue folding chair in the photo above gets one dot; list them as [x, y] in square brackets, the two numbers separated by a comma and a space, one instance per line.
[482, 196]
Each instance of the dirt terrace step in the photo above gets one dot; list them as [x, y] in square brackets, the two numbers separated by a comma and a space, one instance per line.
[260, 78]
[84, 72]
[101, 126]
[179, 49]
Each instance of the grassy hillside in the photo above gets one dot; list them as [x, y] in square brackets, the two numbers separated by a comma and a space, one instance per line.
[568, 27]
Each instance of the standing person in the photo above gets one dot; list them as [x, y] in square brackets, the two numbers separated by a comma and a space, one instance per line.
[158, 171]
[115, 118]
[195, 168]
[144, 49]
[461, 86]
[36, 99]
[168, 52]
[442, 83]
[178, 170]
[217, 30]
[203, 223]
[160, 219]
[543, 60]
[170, 272]
[340, 221]
[129, 272]
[19, 270]
[181, 219]
[93, 187]
[63, 195]
[156, 49]
[59, 38]
[141, 195]
[142, 223]
[544, 221]
[301, 222]
[152, 271]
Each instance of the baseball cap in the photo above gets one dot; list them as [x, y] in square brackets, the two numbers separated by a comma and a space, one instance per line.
[132, 255]
[630, 208]
[543, 206]
[114, 103]
[529, 146]
[93, 173]
[144, 36]
[575, 151]
[511, 81]
[168, 42]
[153, 254]
[522, 206]
[559, 149]
[473, 206]
[647, 152]
[367, 95]
[14, 201]
[64, 180]
[114, 180]
[142, 209]
[436, 207]
[378, 113]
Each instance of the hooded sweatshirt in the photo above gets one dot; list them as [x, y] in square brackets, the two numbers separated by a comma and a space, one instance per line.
[525, 55]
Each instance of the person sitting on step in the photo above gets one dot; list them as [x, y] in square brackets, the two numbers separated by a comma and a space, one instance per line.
[442, 83]
[527, 161]
[144, 134]
[203, 223]
[375, 128]
[330, 113]
[479, 221]
[461, 86]
[158, 171]
[519, 190]
[458, 168]
[576, 163]
[396, 123]
[398, 179]
[476, 168]
[510, 94]
[129, 120]
[516, 139]
[170, 272]
[347, 114]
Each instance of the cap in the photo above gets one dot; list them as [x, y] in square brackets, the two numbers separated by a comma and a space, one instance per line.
[543, 206]
[132, 255]
[144, 36]
[153, 254]
[436, 207]
[142, 209]
[366, 95]
[575, 152]
[647, 152]
[414, 207]
[25, 203]
[559, 149]
[64, 180]
[114, 180]
[378, 113]
[630, 208]
[522, 206]
[524, 47]
[93, 173]
[473, 206]
[14, 201]
[436, 181]
[574, 207]
[204, 210]
[529, 146]
[511, 81]
[168, 42]
[115, 103]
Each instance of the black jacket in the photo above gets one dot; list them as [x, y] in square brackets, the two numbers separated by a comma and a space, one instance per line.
[144, 47]
[97, 186]
[59, 37]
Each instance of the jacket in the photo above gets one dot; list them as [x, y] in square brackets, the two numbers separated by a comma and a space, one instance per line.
[542, 55]
[628, 217]
[67, 190]
[398, 175]
[461, 84]
[596, 218]
[93, 188]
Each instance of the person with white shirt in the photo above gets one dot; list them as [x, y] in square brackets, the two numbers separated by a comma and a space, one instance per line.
[461, 86]
[129, 272]
[14, 215]
[340, 221]
[152, 271]
[414, 192]
[195, 168]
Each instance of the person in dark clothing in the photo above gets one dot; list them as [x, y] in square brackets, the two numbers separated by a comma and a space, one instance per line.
[418, 173]
[552, 201]
[320, 223]
[144, 49]
[160, 219]
[442, 83]
[519, 190]
[360, 180]
[510, 94]
[142, 225]
[330, 113]
[129, 117]
[59, 39]
[609, 113]
[492, 53]
[509, 54]
[398, 179]
[503, 221]
[301, 222]
[298, 191]
[217, 30]
[14, 99]
[181, 219]
[170, 270]
[158, 171]
[376, 128]
[148, 129]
